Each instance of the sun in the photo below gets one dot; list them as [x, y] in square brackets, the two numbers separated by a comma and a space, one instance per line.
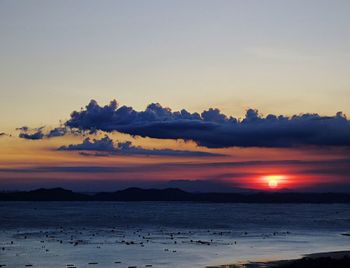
[273, 181]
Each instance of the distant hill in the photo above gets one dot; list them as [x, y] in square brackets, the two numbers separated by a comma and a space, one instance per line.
[137, 194]
[54, 194]
[175, 194]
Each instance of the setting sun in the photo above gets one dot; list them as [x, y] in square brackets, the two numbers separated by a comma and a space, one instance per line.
[273, 181]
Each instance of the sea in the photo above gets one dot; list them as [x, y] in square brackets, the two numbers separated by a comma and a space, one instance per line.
[166, 234]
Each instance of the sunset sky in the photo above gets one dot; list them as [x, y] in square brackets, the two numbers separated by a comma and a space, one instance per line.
[209, 95]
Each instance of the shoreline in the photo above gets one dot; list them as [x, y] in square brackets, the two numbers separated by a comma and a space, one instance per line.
[333, 259]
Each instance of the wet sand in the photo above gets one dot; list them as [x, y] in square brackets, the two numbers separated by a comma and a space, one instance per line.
[336, 259]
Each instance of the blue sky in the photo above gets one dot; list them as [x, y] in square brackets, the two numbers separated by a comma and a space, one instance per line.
[277, 56]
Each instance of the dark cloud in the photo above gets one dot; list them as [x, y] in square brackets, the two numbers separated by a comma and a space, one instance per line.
[96, 154]
[65, 169]
[32, 136]
[23, 129]
[105, 144]
[213, 129]
[57, 132]
[108, 147]
[31, 133]
[41, 132]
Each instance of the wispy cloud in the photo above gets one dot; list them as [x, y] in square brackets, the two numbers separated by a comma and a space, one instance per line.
[338, 166]
[108, 147]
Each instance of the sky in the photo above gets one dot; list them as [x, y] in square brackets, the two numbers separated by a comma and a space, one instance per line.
[210, 95]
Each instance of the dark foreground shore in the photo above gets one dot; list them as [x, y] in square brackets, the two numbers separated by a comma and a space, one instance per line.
[338, 259]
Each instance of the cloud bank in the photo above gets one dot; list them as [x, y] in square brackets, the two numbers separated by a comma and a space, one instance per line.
[211, 128]
[108, 147]
[214, 129]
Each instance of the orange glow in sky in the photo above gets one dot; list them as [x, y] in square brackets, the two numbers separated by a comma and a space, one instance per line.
[39, 164]
[274, 181]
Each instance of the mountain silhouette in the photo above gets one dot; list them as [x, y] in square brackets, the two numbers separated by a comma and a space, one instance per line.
[175, 194]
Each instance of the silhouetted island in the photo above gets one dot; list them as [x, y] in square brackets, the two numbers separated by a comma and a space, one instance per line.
[174, 194]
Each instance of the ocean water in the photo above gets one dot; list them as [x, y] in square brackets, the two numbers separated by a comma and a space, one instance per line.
[160, 234]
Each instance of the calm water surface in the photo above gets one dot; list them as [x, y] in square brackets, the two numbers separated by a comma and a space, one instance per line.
[118, 234]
